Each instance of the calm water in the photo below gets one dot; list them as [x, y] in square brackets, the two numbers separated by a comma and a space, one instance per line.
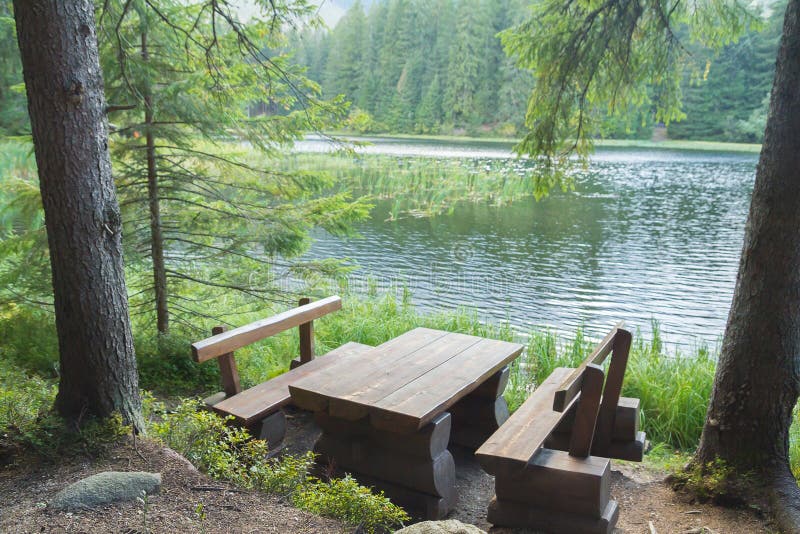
[646, 235]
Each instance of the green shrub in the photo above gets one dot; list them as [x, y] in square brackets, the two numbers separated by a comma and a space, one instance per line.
[228, 453]
[166, 366]
[344, 498]
[29, 339]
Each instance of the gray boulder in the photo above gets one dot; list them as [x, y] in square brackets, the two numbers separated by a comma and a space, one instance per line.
[104, 488]
[451, 526]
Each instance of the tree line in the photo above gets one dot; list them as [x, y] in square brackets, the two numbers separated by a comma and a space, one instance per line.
[412, 66]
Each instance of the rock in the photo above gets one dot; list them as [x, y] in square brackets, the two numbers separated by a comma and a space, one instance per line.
[104, 488]
[451, 526]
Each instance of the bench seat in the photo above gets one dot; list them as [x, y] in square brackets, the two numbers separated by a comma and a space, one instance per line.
[552, 459]
[252, 405]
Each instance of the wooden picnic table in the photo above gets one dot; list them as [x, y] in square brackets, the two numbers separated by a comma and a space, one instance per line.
[389, 413]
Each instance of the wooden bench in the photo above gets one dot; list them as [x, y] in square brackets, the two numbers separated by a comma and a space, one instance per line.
[551, 459]
[259, 408]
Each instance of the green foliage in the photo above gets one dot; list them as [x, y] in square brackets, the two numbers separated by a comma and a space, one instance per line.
[28, 424]
[421, 66]
[29, 339]
[23, 400]
[165, 366]
[429, 67]
[729, 102]
[423, 187]
[794, 443]
[345, 499]
[213, 101]
[591, 60]
[714, 481]
[227, 452]
[13, 112]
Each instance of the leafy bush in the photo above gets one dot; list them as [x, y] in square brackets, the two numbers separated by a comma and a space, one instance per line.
[344, 498]
[29, 339]
[226, 452]
[29, 425]
[165, 366]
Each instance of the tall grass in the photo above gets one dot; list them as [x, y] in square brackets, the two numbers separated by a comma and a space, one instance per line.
[424, 186]
[673, 388]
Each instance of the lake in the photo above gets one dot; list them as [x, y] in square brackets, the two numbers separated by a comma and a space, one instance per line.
[646, 235]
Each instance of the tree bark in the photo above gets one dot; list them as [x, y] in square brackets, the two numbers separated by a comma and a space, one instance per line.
[758, 375]
[64, 84]
[156, 235]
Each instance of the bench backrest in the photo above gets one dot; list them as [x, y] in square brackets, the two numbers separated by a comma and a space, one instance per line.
[224, 342]
[594, 419]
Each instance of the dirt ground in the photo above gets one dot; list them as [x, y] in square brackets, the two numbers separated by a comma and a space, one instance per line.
[646, 503]
[25, 489]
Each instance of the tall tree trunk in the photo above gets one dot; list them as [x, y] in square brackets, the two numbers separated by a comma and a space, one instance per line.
[758, 376]
[67, 110]
[156, 236]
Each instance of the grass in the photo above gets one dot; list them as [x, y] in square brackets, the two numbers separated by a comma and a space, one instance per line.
[680, 144]
[422, 186]
[670, 144]
[673, 388]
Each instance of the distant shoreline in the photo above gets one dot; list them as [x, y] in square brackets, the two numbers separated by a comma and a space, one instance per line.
[671, 144]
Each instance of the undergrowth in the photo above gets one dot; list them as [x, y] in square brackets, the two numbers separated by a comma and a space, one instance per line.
[229, 453]
[674, 385]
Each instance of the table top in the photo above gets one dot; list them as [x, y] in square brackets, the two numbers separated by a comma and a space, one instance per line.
[406, 382]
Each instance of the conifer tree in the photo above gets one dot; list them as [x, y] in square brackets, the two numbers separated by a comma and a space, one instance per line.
[204, 212]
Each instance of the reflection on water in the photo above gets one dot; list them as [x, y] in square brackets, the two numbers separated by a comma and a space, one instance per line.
[646, 234]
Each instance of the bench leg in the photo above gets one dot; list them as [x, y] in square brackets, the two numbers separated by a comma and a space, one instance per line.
[555, 493]
[415, 471]
[272, 428]
[478, 415]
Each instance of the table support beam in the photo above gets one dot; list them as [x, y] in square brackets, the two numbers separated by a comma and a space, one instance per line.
[478, 415]
[416, 469]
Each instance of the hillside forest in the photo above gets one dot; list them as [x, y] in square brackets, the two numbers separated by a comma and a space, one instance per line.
[438, 67]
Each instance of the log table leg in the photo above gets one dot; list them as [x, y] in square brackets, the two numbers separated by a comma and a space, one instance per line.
[416, 471]
[478, 415]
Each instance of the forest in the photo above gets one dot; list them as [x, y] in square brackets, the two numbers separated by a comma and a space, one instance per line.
[439, 67]
[157, 185]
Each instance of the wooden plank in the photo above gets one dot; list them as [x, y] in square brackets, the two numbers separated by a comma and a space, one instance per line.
[612, 391]
[317, 390]
[413, 405]
[631, 449]
[435, 476]
[515, 443]
[556, 481]
[392, 379]
[586, 414]
[250, 333]
[511, 514]
[228, 372]
[626, 420]
[429, 442]
[255, 403]
[306, 336]
[572, 384]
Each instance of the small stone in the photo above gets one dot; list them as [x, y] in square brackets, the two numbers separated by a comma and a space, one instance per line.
[105, 488]
[450, 526]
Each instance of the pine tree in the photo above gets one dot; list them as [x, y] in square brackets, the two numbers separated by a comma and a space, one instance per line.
[466, 63]
[204, 213]
[344, 69]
